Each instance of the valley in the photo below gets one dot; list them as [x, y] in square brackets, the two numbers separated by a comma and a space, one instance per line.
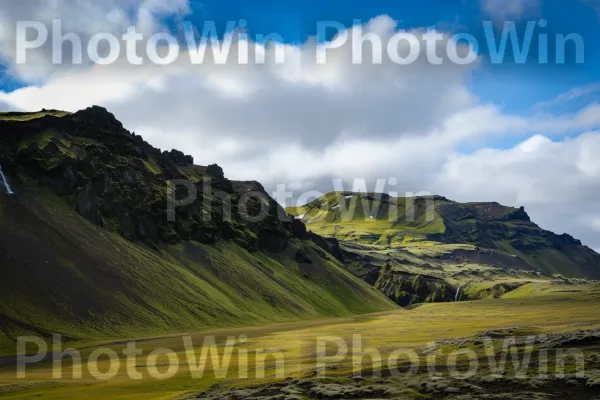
[557, 316]
[108, 242]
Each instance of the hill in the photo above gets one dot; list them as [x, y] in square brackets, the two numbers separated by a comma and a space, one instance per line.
[92, 250]
[434, 249]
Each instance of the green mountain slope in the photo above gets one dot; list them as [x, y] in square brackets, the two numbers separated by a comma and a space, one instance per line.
[433, 249]
[87, 249]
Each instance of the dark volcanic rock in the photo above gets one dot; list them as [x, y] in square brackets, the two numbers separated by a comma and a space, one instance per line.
[333, 246]
[518, 215]
[179, 158]
[406, 289]
[100, 119]
[299, 229]
[120, 182]
[330, 245]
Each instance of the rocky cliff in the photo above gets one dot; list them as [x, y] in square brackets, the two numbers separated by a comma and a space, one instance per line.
[107, 236]
[117, 181]
[424, 249]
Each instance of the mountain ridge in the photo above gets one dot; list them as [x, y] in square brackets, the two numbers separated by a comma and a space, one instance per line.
[90, 253]
[121, 250]
[428, 249]
[336, 208]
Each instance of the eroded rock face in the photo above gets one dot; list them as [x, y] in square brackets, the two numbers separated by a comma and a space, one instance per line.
[179, 158]
[299, 229]
[405, 289]
[330, 245]
[117, 181]
[486, 224]
[518, 215]
[99, 118]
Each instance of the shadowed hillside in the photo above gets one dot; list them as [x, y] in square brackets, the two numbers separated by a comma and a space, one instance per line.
[88, 250]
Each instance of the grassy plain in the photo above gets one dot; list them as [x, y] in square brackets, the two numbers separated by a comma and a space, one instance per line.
[534, 309]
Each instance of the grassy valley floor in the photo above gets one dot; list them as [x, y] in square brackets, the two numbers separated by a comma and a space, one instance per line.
[565, 315]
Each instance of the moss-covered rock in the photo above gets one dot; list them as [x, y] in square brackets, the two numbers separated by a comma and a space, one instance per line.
[121, 183]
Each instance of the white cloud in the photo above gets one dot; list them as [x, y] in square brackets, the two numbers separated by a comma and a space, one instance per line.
[572, 95]
[558, 182]
[80, 17]
[300, 101]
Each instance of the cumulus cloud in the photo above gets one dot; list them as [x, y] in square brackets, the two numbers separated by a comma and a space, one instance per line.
[83, 19]
[299, 101]
[303, 124]
[557, 181]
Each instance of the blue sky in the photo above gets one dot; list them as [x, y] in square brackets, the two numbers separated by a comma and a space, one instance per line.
[517, 88]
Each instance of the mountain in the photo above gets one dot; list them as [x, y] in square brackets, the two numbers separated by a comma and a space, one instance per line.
[108, 237]
[427, 249]
[90, 248]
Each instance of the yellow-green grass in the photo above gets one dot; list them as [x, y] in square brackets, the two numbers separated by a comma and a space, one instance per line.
[412, 258]
[547, 309]
[152, 166]
[28, 116]
[373, 219]
[339, 215]
[91, 284]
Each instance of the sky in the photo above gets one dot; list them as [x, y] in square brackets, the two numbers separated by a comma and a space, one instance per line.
[518, 132]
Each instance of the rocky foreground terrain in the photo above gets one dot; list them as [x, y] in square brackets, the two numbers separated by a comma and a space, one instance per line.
[484, 384]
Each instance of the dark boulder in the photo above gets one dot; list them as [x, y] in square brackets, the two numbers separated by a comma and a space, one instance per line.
[299, 229]
[63, 180]
[333, 246]
[179, 158]
[518, 215]
[330, 245]
[214, 171]
[100, 119]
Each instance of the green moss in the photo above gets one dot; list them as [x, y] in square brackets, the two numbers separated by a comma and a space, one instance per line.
[88, 283]
[152, 167]
[28, 116]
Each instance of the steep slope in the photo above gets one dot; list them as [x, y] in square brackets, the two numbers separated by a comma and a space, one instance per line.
[89, 252]
[429, 249]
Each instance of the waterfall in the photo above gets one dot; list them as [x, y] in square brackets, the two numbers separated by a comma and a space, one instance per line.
[456, 297]
[6, 185]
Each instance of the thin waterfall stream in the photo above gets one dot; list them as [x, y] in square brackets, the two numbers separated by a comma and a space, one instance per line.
[6, 185]
[457, 296]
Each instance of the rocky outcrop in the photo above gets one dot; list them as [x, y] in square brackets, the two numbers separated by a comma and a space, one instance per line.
[406, 289]
[98, 118]
[179, 158]
[116, 180]
[330, 245]
[517, 215]
[492, 226]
